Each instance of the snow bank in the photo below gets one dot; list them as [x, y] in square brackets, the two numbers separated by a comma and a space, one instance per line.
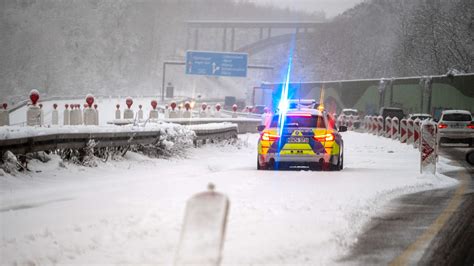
[130, 212]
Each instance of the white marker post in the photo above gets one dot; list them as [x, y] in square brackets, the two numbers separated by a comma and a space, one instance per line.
[187, 113]
[89, 113]
[118, 114]
[33, 114]
[128, 113]
[428, 147]
[55, 115]
[173, 113]
[140, 112]
[66, 115]
[203, 232]
[4, 115]
[154, 112]
[395, 128]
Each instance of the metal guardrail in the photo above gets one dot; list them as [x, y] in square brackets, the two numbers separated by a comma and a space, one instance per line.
[60, 141]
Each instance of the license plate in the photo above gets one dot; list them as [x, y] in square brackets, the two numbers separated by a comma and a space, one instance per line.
[456, 125]
[298, 140]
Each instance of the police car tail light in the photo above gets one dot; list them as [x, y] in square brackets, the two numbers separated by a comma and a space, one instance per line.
[269, 137]
[325, 137]
[471, 126]
[442, 125]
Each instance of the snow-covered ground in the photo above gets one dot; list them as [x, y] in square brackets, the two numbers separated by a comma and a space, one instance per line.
[129, 212]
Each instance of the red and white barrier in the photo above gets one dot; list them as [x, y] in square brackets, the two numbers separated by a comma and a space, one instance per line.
[428, 147]
[416, 132]
[128, 113]
[4, 115]
[388, 126]
[395, 128]
[187, 110]
[403, 131]
[33, 114]
[410, 129]
[380, 128]
[153, 113]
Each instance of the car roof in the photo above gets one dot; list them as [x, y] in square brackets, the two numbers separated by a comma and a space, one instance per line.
[456, 112]
[304, 111]
[420, 115]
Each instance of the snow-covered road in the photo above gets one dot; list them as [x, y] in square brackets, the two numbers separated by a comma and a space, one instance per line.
[130, 211]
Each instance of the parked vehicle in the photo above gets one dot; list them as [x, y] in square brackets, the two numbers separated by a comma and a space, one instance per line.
[420, 116]
[455, 127]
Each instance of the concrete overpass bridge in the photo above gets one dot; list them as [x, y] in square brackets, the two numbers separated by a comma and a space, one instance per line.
[265, 34]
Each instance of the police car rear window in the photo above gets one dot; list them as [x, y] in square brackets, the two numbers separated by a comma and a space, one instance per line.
[300, 121]
[457, 117]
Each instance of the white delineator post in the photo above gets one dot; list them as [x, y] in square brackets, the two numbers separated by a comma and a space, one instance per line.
[55, 115]
[410, 128]
[388, 126]
[403, 130]
[203, 232]
[66, 115]
[428, 147]
[180, 111]
[395, 128]
[96, 110]
[234, 111]
[140, 112]
[4, 115]
[42, 113]
[173, 113]
[128, 113]
[187, 112]
[153, 113]
[118, 114]
[416, 132]
[33, 114]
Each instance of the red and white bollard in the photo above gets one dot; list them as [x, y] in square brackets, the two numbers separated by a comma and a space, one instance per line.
[410, 133]
[140, 112]
[374, 125]
[4, 115]
[403, 130]
[118, 114]
[187, 111]
[128, 113]
[428, 147]
[394, 133]
[416, 132]
[217, 113]
[89, 113]
[153, 112]
[33, 114]
[173, 113]
[203, 112]
[380, 128]
[234, 111]
[388, 126]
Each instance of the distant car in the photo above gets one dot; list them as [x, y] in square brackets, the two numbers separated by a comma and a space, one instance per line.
[259, 109]
[308, 138]
[355, 116]
[392, 112]
[420, 116]
[455, 127]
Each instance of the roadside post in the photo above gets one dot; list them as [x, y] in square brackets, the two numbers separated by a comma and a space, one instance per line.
[55, 115]
[153, 112]
[33, 114]
[117, 112]
[403, 131]
[395, 128]
[234, 111]
[140, 112]
[217, 113]
[96, 110]
[388, 126]
[203, 232]
[128, 113]
[89, 113]
[428, 147]
[410, 129]
[66, 115]
[380, 129]
[416, 132]
[173, 113]
[4, 116]
[203, 112]
[187, 111]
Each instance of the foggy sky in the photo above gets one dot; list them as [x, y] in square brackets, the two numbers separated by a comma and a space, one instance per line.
[330, 7]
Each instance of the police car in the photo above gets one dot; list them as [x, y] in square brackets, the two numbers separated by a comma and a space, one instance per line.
[301, 138]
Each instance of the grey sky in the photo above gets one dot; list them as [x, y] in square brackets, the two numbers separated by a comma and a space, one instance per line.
[331, 7]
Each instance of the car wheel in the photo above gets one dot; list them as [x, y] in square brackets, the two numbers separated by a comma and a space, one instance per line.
[259, 167]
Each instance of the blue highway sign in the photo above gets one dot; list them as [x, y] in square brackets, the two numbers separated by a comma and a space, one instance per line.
[216, 64]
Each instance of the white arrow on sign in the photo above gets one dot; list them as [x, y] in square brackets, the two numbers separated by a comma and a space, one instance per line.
[214, 68]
